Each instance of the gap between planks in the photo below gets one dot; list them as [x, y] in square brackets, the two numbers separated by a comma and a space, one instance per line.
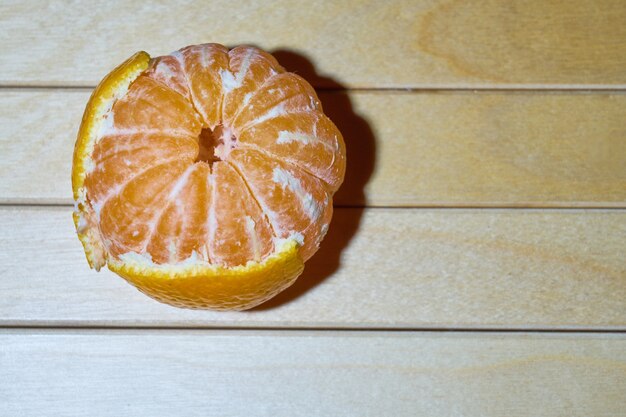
[301, 329]
[522, 88]
[522, 207]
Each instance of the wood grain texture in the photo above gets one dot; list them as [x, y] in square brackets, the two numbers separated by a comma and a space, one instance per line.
[430, 43]
[391, 269]
[404, 149]
[394, 268]
[199, 373]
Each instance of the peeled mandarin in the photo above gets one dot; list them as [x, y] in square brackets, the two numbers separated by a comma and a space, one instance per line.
[205, 177]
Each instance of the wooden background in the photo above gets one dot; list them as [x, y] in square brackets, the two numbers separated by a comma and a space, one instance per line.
[476, 264]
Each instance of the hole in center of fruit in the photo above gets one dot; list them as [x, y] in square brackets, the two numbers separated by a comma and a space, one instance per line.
[215, 144]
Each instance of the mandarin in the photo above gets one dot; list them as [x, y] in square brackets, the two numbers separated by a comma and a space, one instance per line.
[205, 177]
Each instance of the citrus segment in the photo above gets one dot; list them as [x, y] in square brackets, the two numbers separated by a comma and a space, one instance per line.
[296, 203]
[249, 68]
[243, 231]
[148, 106]
[202, 66]
[129, 216]
[180, 228]
[280, 95]
[168, 70]
[119, 158]
[295, 139]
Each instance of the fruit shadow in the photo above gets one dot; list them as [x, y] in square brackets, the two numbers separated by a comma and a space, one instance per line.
[350, 200]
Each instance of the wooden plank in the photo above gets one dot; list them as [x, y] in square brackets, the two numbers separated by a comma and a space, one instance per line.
[404, 149]
[130, 373]
[430, 43]
[387, 268]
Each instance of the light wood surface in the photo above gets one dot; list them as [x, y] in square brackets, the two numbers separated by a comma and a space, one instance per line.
[400, 268]
[199, 373]
[427, 43]
[405, 149]
[481, 268]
